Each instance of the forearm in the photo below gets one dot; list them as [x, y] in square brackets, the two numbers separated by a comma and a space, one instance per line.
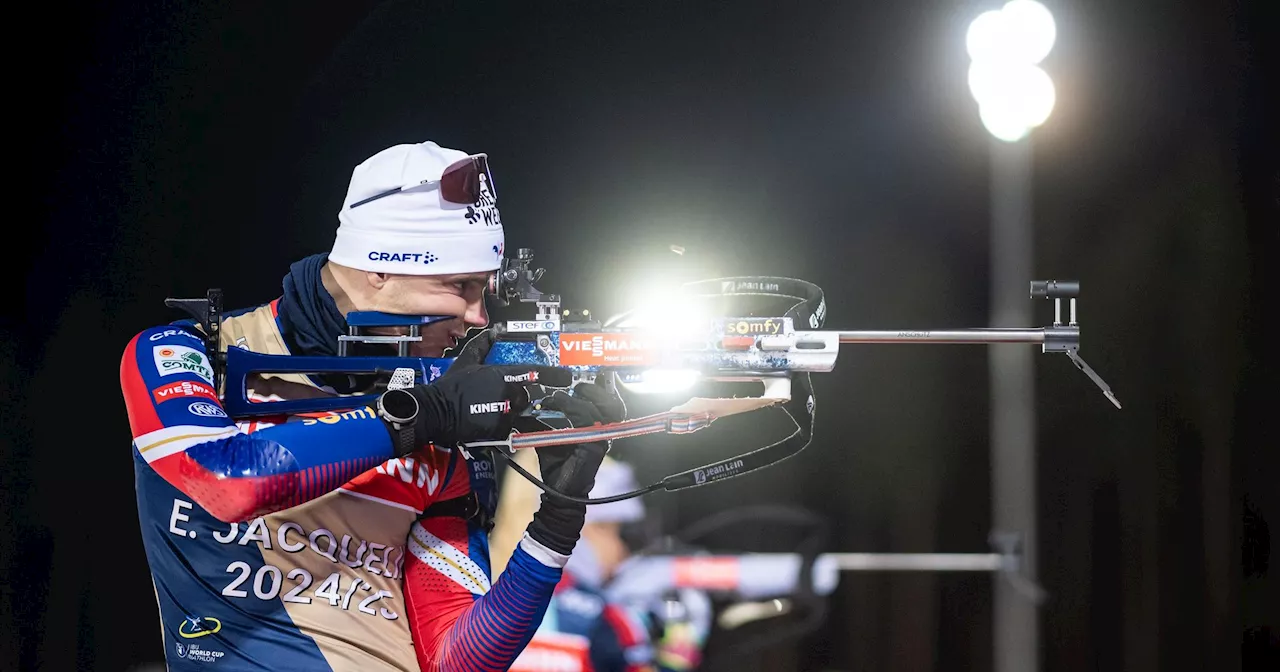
[458, 621]
[498, 626]
[248, 475]
[180, 428]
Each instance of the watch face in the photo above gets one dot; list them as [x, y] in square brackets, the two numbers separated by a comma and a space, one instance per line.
[399, 405]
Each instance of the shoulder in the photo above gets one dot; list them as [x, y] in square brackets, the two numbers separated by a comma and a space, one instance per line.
[256, 328]
[167, 350]
[259, 318]
[164, 342]
[176, 333]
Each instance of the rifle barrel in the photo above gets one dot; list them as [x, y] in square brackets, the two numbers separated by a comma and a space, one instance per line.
[983, 335]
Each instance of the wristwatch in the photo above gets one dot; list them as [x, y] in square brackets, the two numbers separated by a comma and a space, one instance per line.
[399, 409]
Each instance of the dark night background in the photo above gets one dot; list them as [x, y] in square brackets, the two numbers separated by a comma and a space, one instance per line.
[178, 146]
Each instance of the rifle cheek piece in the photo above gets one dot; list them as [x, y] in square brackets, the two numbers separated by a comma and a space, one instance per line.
[233, 366]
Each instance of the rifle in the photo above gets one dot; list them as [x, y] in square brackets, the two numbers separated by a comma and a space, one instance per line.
[780, 352]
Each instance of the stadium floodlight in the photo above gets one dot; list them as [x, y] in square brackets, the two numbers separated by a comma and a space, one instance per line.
[1005, 46]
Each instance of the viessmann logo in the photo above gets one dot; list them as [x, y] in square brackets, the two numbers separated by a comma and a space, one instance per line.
[596, 349]
[181, 389]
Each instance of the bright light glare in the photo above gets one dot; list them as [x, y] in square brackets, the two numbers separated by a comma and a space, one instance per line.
[1014, 94]
[1002, 123]
[1030, 30]
[660, 381]
[1023, 31]
[1011, 96]
[663, 310]
[984, 80]
[986, 37]
[1035, 95]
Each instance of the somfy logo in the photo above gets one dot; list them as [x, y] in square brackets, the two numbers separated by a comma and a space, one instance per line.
[491, 407]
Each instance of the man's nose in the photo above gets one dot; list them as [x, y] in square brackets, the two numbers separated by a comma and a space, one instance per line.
[477, 315]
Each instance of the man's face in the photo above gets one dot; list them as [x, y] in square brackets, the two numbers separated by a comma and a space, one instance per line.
[607, 544]
[459, 296]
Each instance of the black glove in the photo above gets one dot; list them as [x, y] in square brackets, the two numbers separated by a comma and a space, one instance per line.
[470, 402]
[474, 351]
[572, 469]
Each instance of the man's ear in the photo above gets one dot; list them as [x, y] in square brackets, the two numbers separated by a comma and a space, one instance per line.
[377, 280]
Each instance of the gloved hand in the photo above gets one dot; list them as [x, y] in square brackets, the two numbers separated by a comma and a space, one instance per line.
[571, 470]
[479, 402]
[474, 351]
[473, 401]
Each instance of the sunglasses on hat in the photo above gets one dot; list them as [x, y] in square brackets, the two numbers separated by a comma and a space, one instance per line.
[460, 183]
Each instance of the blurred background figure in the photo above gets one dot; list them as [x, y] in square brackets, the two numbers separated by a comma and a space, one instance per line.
[583, 629]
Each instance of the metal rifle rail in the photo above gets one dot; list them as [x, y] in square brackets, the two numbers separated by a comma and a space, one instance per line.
[981, 335]
[1064, 338]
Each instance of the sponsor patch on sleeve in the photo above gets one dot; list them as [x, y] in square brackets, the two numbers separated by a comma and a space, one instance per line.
[183, 389]
[205, 409]
[171, 359]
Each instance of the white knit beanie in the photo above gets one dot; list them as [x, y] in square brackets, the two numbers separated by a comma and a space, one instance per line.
[415, 231]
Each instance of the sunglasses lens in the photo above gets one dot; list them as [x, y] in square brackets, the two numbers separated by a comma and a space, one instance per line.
[486, 178]
[466, 181]
[458, 184]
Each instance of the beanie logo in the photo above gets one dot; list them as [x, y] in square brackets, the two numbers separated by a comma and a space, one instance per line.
[485, 209]
[411, 257]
